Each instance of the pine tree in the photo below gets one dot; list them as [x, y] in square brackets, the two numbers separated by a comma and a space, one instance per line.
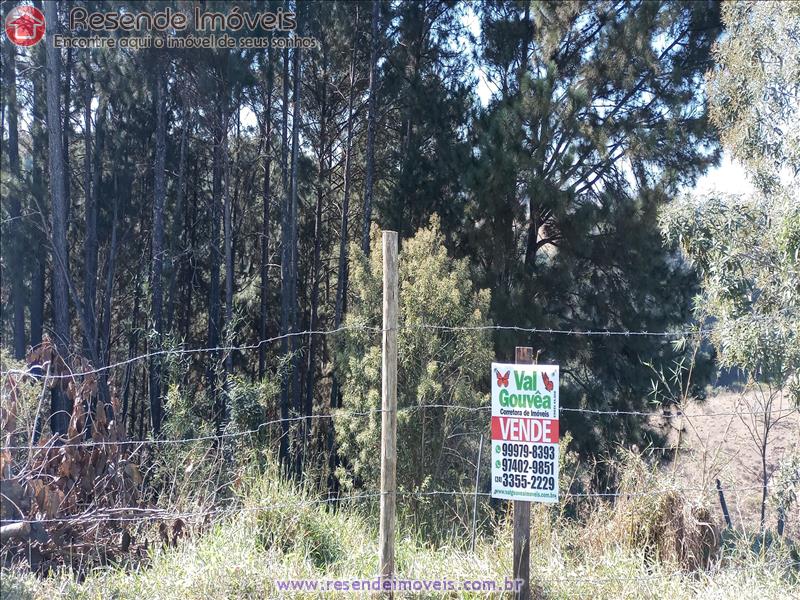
[596, 118]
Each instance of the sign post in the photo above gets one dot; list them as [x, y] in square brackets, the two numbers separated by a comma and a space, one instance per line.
[524, 446]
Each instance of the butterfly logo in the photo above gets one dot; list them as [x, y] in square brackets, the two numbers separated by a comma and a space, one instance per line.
[502, 380]
[548, 384]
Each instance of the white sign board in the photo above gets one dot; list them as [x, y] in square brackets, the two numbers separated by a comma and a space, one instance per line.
[525, 432]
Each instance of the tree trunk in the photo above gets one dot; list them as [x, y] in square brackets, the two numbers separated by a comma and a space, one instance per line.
[321, 183]
[369, 175]
[286, 257]
[58, 200]
[342, 276]
[295, 369]
[156, 284]
[104, 332]
[16, 260]
[108, 292]
[133, 343]
[189, 276]
[267, 128]
[228, 249]
[90, 239]
[67, 128]
[533, 235]
[177, 224]
[764, 473]
[214, 315]
[37, 192]
[341, 284]
[228, 245]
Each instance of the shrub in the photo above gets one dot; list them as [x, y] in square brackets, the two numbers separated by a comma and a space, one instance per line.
[435, 367]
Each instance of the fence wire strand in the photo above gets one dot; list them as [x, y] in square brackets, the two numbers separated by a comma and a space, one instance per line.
[55, 443]
[374, 329]
[120, 514]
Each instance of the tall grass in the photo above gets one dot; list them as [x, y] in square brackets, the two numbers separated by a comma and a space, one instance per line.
[643, 546]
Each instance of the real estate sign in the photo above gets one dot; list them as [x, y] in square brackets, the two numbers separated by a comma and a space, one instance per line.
[525, 432]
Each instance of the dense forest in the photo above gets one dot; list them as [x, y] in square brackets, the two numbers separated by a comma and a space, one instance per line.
[223, 199]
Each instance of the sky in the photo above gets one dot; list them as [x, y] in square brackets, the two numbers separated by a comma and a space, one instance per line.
[729, 177]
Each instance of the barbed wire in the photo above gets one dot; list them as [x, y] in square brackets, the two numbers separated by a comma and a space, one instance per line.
[617, 413]
[658, 492]
[53, 442]
[202, 438]
[29, 371]
[375, 329]
[614, 413]
[120, 514]
[566, 332]
[161, 514]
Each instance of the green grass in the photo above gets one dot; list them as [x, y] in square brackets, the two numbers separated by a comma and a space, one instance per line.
[240, 557]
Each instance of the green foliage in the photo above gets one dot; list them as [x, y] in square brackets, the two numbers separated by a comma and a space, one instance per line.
[746, 248]
[24, 398]
[305, 530]
[787, 482]
[248, 402]
[755, 88]
[185, 414]
[197, 472]
[595, 119]
[427, 95]
[435, 366]
[751, 283]
[548, 190]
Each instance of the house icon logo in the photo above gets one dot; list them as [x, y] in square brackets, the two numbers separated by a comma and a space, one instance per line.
[25, 25]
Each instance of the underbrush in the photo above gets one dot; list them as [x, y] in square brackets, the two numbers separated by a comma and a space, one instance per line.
[223, 522]
[642, 546]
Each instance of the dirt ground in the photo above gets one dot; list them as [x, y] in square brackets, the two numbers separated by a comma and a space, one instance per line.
[721, 446]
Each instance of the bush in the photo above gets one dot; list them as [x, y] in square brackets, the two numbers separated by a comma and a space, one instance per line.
[435, 367]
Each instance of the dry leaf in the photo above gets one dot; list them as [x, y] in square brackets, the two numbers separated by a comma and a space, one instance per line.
[5, 464]
[133, 474]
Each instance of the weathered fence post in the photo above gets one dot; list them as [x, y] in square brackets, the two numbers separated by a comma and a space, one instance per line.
[724, 506]
[475, 499]
[389, 408]
[523, 355]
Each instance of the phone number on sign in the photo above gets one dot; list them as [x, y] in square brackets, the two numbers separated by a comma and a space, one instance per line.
[525, 451]
[537, 482]
[520, 465]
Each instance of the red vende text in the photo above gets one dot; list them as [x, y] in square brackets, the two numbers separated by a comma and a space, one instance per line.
[521, 429]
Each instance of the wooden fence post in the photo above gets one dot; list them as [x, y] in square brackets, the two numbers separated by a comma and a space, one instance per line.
[475, 499]
[389, 408]
[724, 506]
[523, 355]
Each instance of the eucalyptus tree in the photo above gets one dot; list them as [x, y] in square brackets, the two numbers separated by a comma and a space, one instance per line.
[746, 246]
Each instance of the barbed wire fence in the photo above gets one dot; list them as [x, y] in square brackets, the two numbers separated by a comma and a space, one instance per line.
[138, 514]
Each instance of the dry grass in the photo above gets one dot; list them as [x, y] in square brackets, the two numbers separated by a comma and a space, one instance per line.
[643, 546]
[721, 448]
